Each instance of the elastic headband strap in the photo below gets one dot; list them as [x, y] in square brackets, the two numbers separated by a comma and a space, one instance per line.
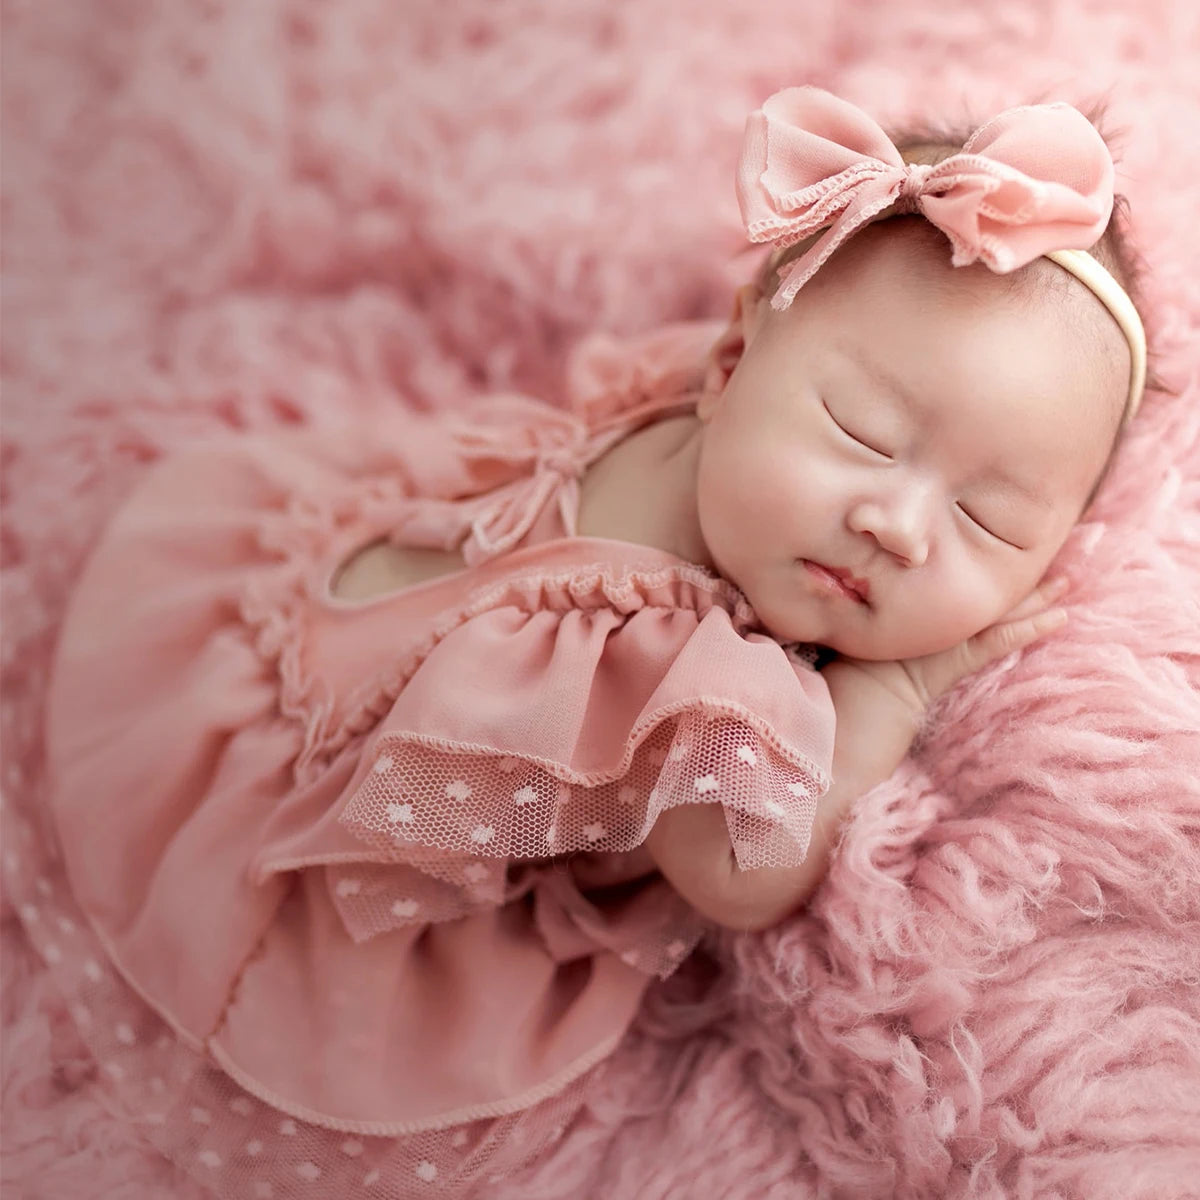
[1113, 296]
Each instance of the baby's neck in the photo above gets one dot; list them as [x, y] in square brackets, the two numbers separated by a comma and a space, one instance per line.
[644, 490]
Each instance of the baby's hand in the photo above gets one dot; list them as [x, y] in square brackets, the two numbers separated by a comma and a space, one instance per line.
[919, 681]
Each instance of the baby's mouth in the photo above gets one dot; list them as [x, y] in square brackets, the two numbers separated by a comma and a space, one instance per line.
[840, 581]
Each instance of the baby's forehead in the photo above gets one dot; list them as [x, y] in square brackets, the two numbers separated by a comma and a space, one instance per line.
[1086, 340]
[900, 271]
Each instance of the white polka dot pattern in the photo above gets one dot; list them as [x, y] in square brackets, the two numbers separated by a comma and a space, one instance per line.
[451, 824]
[509, 808]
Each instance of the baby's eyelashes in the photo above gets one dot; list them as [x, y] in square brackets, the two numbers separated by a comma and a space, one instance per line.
[857, 438]
[987, 526]
[981, 525]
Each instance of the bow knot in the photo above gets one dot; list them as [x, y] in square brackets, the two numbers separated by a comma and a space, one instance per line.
[1032, 180]
[563, 461]
[548, 467]
[912, 187]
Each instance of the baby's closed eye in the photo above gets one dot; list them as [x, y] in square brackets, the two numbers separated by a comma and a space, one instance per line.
[855, 432]
[987, 525]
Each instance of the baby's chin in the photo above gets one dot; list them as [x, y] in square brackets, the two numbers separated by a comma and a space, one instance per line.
[884, 648]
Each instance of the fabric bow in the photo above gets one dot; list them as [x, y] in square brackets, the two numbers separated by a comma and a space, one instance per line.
[547, 466]
[1031, 180]
[519, 455]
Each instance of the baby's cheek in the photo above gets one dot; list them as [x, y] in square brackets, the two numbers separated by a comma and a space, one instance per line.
[994, 593]
[950, 608]
[777, 485]
[741, 489]
[1019, 578]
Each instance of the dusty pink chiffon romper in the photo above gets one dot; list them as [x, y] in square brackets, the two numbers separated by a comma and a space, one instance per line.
[318, 921]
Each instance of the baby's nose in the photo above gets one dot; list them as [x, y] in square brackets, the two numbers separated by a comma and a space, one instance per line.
[899, 522]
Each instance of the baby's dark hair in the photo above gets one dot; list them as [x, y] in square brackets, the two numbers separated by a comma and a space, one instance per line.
[1114, 250]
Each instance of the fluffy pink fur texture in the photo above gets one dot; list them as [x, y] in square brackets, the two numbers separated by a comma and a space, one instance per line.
[223, 213]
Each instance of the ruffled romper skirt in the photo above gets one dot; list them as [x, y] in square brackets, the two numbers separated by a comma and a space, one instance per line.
[312, 900]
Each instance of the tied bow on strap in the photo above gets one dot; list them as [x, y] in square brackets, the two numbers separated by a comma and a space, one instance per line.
[548, 464]
[1031, 180]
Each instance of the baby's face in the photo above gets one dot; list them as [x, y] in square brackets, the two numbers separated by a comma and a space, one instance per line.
[928, 435]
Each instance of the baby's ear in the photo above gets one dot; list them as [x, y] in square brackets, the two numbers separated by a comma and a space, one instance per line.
[749, 307]
[753, 308]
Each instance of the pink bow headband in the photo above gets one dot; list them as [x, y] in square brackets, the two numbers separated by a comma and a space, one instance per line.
[1034, 181]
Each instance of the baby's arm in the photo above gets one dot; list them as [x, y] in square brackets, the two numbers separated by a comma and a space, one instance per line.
[879, 708]
[691, 843]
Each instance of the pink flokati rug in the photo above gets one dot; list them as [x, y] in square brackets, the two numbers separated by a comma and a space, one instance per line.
[252, 214]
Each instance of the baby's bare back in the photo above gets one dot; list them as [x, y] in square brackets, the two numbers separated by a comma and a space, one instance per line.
[381, 568]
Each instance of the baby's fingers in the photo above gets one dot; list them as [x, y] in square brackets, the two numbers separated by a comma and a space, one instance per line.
[936, 673]
[1021, 625]
[1003, 638]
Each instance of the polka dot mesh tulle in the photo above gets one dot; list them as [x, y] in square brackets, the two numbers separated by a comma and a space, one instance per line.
[459, 815]
[224, 1136]
[481, 811]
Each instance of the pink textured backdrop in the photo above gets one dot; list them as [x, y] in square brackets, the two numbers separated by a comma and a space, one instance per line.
[252, 214]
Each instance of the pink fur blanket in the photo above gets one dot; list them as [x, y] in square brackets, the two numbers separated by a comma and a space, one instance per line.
[253, 214]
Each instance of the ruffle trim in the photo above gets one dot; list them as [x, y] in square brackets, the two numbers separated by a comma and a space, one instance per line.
[713, 752]
[274, 607]
[277, 615]
[460, 814]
